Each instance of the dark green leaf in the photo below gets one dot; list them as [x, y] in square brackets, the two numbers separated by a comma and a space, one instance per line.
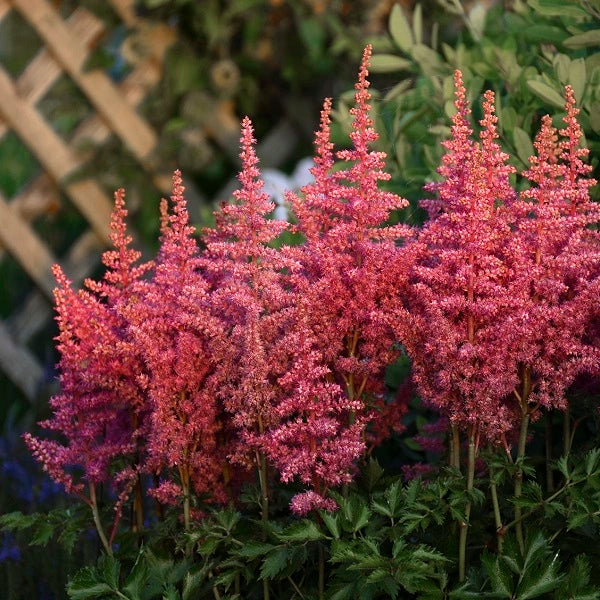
[275, 563]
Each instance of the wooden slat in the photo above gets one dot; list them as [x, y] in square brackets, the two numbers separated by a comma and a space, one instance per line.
[54, 156]
[126, 10]
[19, 364]
[26, 247]
[101, 92]
[43, 71]
[83, 257]
[4, 9]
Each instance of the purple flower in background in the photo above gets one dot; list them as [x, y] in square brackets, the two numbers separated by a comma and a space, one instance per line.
[9, 551]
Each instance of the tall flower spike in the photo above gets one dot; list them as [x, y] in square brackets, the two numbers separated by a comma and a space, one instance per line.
[173, 328]
[573, 154]
[100, 412]
[459, 283]
[459, 149]
[248, 297]
[120, 262]
[313, 210]
[556, 257]
[365, 204]
[494, 160]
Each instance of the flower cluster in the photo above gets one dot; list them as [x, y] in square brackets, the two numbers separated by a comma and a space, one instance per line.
[246, 352]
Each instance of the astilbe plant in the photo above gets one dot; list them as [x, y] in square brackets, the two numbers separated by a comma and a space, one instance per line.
[459, 280]
[252, 354]
[555, 266]
[101, 411]
[172, 326]
[351, 271]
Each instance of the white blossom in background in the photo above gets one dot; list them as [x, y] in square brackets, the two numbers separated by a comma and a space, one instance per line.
[278, 183]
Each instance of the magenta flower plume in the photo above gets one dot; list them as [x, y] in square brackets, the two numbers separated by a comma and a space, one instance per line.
[351, 271]
[460, 282]
[173, 329]
[100, 412]
[250, 300]
[556, 261]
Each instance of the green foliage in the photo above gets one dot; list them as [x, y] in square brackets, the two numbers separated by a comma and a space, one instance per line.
[525, 52]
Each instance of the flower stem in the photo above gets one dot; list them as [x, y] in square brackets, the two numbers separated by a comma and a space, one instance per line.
[497, 515]
[567, 432]
[521, 454]
[548, 440]
[455, 451]
[261, 463]
[97, 521]
[464, 526]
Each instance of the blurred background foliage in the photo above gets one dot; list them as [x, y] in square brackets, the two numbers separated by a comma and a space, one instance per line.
[275, 61]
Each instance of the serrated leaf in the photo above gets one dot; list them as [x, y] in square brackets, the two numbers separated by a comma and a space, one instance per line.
[592, 461]
[137, 579]
[254, 549]
[388, 63]
[576, 520]
[192, 582]
[381, 508]
[345, 592]
[303, 531]
[400, 29]
[275, 563]
[17, 520]
[500, 576]
[546, 93]
[171, 593]
[43, 533]
[331, 522]
[583, 40]
[228, 519]
[88, 584]
[539, 581]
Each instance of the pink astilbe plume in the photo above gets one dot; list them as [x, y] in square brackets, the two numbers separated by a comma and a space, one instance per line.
[100, 412]
[351, 270]
[250, 300]
[173, 329]
[460, 282]
[556, 262]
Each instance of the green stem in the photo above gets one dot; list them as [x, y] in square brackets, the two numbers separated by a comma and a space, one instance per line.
[497, 515]
[521, 454]
[567, 432]
[556, 494]
[97, 521]
[548, 439]
[464, 526]
[519, 478]
[264, 505]
[455, 447]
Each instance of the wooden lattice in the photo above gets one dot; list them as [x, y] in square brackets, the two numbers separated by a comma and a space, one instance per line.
[67, 45]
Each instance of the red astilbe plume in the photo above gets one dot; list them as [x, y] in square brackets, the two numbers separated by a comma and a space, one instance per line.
[556, 262]
[351, 270]
[313, 443]
[100, 411]
[174, 330]
[459, 282]
[252, 304]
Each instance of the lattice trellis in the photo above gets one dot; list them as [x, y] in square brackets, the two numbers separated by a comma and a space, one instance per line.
[67, 45]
